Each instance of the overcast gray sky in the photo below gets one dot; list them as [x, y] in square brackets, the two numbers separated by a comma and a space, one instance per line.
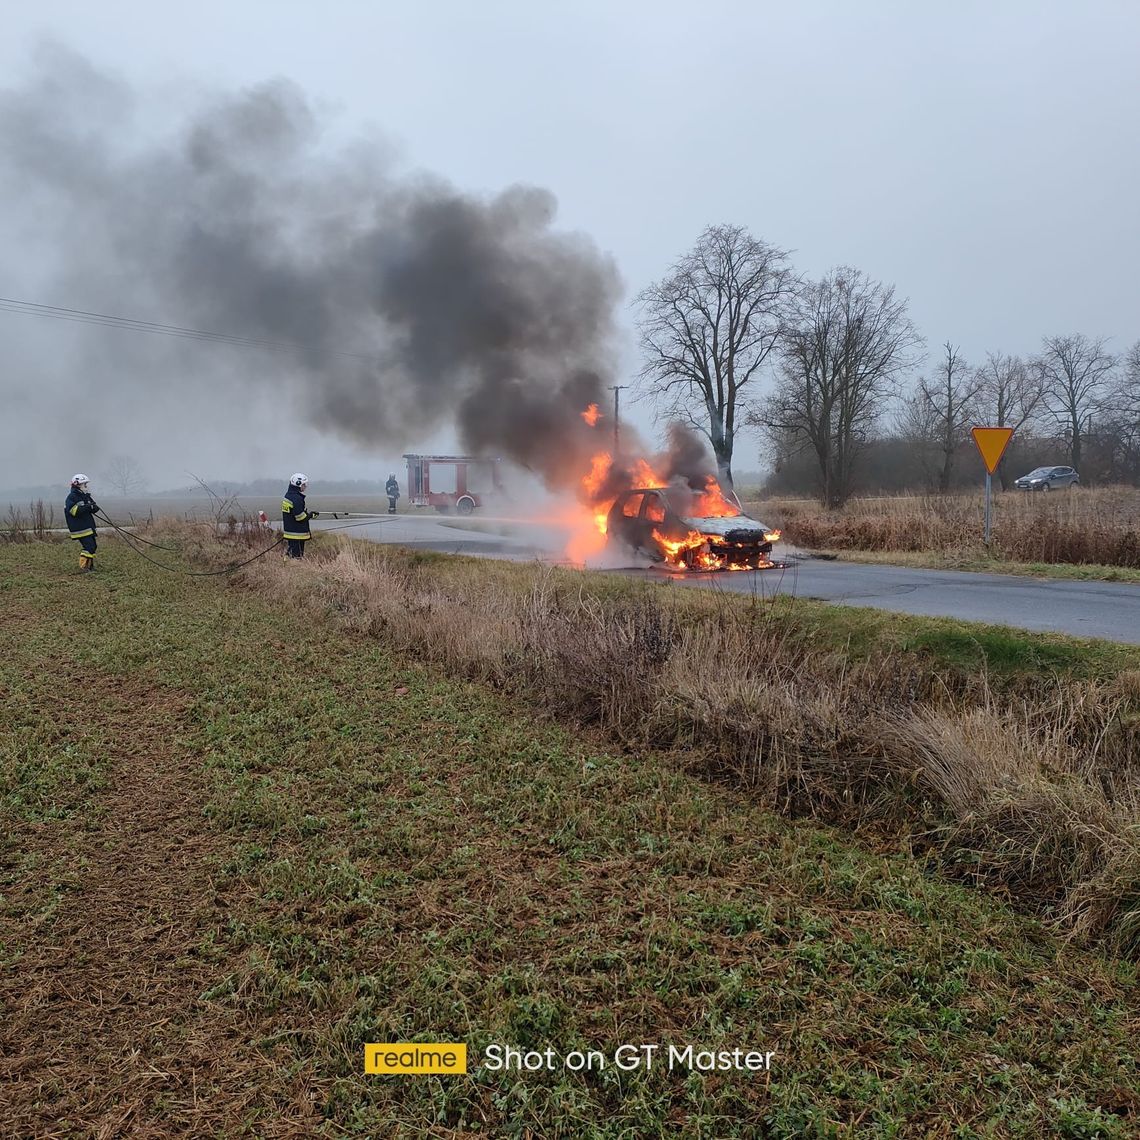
[981, 156]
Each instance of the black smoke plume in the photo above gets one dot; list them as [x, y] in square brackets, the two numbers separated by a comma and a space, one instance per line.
[414, 305]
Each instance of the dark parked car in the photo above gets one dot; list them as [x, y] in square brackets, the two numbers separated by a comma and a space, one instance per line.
[1047, 479]
[646, 520]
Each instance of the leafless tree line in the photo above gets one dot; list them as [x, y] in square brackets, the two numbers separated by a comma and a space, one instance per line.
[1074, 395]
[846, 342]
[732, 308]
[839, 350]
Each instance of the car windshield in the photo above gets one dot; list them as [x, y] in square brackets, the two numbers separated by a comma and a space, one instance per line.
[691, 507]
[1039, 472]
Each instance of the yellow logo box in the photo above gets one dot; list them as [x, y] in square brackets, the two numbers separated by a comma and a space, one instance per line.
[415, 1057]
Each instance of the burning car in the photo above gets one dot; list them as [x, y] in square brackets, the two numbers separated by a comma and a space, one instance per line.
[653, 522]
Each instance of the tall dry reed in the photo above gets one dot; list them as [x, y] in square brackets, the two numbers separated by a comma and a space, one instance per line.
[36, 526]
[1098, 526]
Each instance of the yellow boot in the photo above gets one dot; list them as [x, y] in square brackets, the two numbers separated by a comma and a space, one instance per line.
[86, 563]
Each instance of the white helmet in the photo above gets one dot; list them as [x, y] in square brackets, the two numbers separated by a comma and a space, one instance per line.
[299, 480]
[79, 480]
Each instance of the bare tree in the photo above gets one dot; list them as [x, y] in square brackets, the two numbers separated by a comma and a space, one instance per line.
[1120, 414]
[914, 421]
[915, 426]
[1009, 395]
[949, 399]
[1074, 370]
[709, 326]
[1128, 384]
[847, 342]
[125, 475]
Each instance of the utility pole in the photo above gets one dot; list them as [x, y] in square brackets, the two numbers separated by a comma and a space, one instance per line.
[616, 388]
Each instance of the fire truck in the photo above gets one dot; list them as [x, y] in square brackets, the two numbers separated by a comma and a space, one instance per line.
[462, 482]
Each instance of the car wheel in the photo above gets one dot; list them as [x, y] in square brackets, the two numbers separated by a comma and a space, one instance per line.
[465, 505]
[1045, 487]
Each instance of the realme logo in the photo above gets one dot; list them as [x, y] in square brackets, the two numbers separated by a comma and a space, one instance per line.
[415, 1057]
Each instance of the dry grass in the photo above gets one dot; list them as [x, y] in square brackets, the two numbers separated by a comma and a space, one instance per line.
[1079, 526]
[1034, 789]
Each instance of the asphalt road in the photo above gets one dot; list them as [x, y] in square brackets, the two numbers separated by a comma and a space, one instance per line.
[1109, 610]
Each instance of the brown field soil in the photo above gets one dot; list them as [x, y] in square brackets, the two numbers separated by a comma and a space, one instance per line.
[104, 1031]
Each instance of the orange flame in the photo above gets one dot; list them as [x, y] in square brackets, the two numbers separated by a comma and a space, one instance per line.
[589, 535]
[711, 503]
[674, 549]
[595, 478]
[645, 476]
[591, 414]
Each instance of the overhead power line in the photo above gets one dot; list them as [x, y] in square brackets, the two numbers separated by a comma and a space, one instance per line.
[107, 320]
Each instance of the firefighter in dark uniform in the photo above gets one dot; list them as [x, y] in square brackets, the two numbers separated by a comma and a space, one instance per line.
[79, 510]
[392, 490]
[295, 516]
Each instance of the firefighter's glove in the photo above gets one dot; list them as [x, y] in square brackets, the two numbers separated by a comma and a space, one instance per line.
[93, 506]
[314, 514]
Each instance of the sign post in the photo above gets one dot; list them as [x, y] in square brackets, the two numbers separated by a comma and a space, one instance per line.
[991, 443]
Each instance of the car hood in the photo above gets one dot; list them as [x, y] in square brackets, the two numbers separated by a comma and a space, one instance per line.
[723, 525]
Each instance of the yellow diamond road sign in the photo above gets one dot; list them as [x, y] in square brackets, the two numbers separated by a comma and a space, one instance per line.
[992, 442]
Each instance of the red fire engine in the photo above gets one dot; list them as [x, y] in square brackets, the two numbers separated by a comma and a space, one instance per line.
[469, 472]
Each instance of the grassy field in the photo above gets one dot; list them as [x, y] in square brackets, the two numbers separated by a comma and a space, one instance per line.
[254, 823]
[1094, 528]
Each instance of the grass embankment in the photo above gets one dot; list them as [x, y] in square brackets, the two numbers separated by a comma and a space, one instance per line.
[1014, 757]
[1096, 530]
[248, 831]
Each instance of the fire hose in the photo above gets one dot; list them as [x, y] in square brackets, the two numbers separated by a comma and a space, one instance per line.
[136, 537]
[130, 539]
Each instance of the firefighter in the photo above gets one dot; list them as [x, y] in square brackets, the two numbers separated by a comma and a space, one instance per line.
[392, 490]
[295, 516]
[80, 510]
